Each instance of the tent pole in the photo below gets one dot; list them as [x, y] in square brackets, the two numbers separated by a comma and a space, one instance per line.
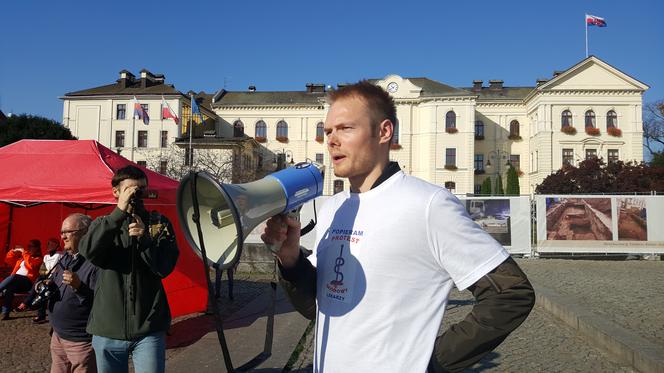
[9, 227]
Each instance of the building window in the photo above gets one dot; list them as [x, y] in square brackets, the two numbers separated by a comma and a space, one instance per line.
[282, 131]
[566, 119]
[119, 139]
[611, 119]
[145, 107]
[450, 157]
[591, 153]
[514, 130]
[479, 130]
[479, 163]
[142, 163]
[477, 189]
[163, 167]
[338, 186]
[450, 120]
[121, 111]
[261, 131]
[568, 156]
[320, 131]
[613, 156]
[451, 186]
[164, 139]
[319, 158]
[590, 119]
[142, 139]
[515, 161]
[238, 128]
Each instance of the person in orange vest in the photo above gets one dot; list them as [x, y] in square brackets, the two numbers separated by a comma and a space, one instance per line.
[26, 269]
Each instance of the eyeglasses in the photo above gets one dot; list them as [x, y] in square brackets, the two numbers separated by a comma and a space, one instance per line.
[69, 232]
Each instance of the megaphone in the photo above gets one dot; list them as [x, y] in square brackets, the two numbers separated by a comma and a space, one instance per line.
[227, 213]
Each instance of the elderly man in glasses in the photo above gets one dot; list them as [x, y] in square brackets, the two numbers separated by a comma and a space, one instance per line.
[73, 283]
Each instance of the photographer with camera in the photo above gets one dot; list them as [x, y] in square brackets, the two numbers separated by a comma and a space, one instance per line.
[26, 265]
[134, 250]
[70, 294]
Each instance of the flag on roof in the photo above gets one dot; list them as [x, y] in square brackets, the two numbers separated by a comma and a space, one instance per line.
[595, 21]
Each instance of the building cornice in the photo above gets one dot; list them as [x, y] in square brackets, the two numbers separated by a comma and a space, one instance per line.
[220, 108]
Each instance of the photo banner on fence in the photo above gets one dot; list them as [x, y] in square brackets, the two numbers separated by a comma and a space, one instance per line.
[506, 219]
[600, 224]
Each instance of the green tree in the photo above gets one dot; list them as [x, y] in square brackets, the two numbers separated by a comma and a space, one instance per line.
[485, 189]
[512, 182]
[19, 127]
[499, 186]
[657, 159]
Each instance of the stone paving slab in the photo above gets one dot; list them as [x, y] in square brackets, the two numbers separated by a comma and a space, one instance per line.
[628, 293]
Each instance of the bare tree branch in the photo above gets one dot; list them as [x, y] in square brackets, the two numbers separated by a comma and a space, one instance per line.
[653, 126]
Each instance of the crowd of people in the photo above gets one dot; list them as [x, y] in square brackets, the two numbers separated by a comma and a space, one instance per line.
[103, 292]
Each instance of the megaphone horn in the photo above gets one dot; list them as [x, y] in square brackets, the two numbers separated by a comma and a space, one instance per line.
[229, 212]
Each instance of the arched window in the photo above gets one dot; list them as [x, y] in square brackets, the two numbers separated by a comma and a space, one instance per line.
[450, 120]
[611, 119]
[590, 119]
[238, 128]
[320, 131]
[514, 129]
[566, 119]
[261, 131]
[338, 186]
[282, 130]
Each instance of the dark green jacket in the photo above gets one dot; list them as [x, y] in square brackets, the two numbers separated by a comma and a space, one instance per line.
[130, 301]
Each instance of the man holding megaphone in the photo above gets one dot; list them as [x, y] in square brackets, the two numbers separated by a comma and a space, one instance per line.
[387, 255]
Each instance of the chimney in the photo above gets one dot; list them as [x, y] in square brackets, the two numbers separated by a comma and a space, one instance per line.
[126, 78]
[252, 88]
[147, 78]
[541, 81]
[315, 88]
[496, 85]
[556, 73]
[477, 85]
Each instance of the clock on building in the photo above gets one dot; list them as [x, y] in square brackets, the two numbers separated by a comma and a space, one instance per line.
[392, 87]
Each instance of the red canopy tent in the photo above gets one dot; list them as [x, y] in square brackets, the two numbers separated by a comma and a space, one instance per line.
[43, 181]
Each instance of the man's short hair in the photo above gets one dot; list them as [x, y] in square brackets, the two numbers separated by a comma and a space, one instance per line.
[379, 102]
[128, 172]
[82, 221]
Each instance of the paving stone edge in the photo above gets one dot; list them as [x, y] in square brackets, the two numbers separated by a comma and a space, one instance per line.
[622, 345]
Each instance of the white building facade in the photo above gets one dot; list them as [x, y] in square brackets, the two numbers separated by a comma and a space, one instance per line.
[453, 137]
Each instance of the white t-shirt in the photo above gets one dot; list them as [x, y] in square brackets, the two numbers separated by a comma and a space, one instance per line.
[386, 261]
[51, 260]
[22, 269]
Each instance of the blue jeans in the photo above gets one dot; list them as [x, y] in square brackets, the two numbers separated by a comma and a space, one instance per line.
[13, 284]
[148, 354]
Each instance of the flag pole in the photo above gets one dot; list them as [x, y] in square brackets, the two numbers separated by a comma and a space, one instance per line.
[191, 131]
[585, 21]
[133, 134]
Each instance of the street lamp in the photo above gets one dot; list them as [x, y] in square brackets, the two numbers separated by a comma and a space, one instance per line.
[281, 157]
[499, 156]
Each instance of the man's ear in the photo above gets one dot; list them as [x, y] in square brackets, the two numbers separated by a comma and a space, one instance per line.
[116, 192]
[385, 131]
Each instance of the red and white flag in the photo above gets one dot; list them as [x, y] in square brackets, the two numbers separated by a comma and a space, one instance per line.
[167, 112]
[595, 21]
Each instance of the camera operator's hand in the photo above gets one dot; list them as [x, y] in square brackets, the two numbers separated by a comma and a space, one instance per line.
[124, 197]
[71, 278]
[284, 231]
[137, 228]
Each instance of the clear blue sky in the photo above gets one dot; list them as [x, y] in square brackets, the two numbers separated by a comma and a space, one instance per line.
[49, 48]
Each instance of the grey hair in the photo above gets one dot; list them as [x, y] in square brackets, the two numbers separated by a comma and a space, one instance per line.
[83, 221]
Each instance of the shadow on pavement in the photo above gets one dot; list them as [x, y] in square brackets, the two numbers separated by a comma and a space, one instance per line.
[484, 364]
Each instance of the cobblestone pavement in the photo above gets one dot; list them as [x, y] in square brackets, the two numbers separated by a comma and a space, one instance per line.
[540, 344]
[24, 346]
[629, 293]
